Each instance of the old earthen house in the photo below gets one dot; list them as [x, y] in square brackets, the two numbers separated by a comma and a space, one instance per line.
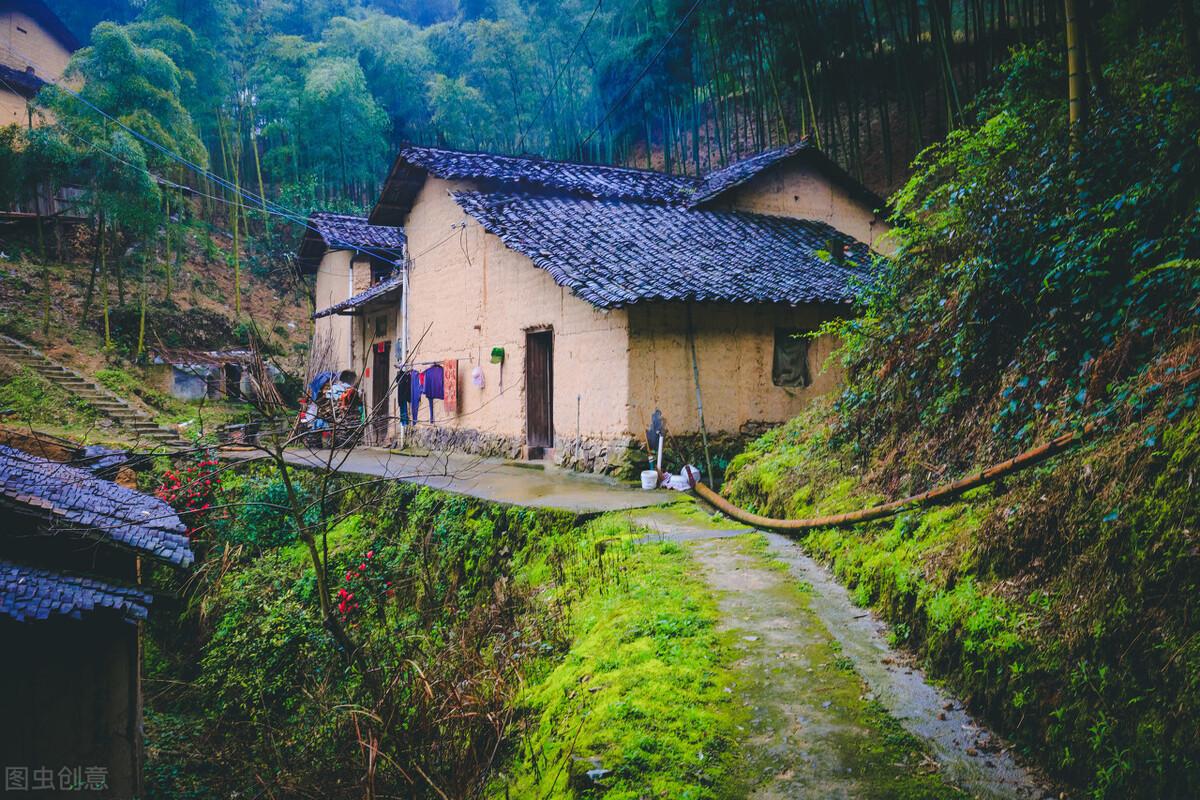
[576, 299]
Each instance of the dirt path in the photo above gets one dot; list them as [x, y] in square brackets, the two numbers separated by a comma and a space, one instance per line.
[835, 712]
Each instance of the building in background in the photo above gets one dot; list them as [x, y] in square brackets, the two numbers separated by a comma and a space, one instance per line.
[357, 295]
[35, 47]
[576, 299]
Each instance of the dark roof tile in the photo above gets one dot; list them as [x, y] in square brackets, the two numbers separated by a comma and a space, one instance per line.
[77, 499]
[28, 594]
[378, 292]
[613, 253]
[329, 231]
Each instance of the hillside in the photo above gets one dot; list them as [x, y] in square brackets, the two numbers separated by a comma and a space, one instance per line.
[196, 314]
[1044, 283]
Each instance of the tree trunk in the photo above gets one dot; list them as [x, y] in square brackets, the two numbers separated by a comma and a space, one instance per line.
[91, 287]
[1076, 74]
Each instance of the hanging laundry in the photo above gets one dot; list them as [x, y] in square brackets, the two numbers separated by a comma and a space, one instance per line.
[433, 385]
[416, 391]
[450, 385]
[404, 395]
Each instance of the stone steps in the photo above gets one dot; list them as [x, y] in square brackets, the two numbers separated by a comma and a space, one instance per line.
[105, 402]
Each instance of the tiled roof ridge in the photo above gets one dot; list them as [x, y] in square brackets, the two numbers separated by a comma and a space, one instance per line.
[540, 159]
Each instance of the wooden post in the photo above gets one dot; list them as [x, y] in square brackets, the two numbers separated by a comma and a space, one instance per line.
[699, 398]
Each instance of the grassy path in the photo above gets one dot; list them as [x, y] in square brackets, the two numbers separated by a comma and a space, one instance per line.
[815, 729]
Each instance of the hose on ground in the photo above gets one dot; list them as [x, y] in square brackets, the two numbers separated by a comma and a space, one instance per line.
[937, 494]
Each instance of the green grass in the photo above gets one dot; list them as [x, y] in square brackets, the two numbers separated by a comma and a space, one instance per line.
[641, 692]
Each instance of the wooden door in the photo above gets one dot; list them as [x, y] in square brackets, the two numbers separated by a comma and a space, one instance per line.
[539, 389]
[381, 382]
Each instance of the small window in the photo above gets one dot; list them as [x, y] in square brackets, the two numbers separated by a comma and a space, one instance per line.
[381, 326]
[789, 367]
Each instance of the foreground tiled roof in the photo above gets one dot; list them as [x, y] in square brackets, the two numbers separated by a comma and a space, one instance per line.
[379, 291]
[28, 594]
[613, 253]
[346, 232]
[589, 180]
[74, 499]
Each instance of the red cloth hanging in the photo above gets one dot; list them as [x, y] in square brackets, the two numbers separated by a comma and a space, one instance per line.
[450, 378]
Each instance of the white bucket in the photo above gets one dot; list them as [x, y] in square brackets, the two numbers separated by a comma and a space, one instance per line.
[649, 479]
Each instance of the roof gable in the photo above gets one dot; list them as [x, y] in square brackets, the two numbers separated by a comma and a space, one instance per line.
[613, 253]
[330, 231]
[522, 173]
[719, 184]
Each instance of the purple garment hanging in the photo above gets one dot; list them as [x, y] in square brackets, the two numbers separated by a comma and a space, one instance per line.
[435, 383]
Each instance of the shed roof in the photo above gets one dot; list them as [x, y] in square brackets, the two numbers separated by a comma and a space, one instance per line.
[525, 173]
[613, 253]
[75, 499]
[29, 594]
[717, 184]
[384, 290]
[22, 82]
[330, 231]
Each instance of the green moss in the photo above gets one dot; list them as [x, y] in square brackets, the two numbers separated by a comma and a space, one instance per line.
[639, 693]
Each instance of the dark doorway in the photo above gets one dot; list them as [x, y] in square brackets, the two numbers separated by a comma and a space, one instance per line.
[380, 384]
[233, 381]
[539, 390]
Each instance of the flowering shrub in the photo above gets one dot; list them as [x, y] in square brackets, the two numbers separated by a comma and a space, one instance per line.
[367, 580]
[191, 491]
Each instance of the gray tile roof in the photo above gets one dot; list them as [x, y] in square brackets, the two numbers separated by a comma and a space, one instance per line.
[329, 231]
[522, 173]
[378, 292]
[613, 253]
[589, 180]
[28, 594]
[74, 499]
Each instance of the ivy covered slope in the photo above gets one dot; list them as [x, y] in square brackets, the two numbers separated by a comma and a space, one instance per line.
[1039, 286]
[486, 625]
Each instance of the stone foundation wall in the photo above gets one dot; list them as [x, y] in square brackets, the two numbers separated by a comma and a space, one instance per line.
[616, 457]
[465, 440]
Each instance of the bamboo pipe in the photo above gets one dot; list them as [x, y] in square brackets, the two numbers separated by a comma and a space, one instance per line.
[937, 494]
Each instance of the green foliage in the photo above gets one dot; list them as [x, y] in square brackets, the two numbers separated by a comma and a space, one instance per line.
[1036, 289]
[32, 399]
[275, 694]
[641, 689]
[1028, 287]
